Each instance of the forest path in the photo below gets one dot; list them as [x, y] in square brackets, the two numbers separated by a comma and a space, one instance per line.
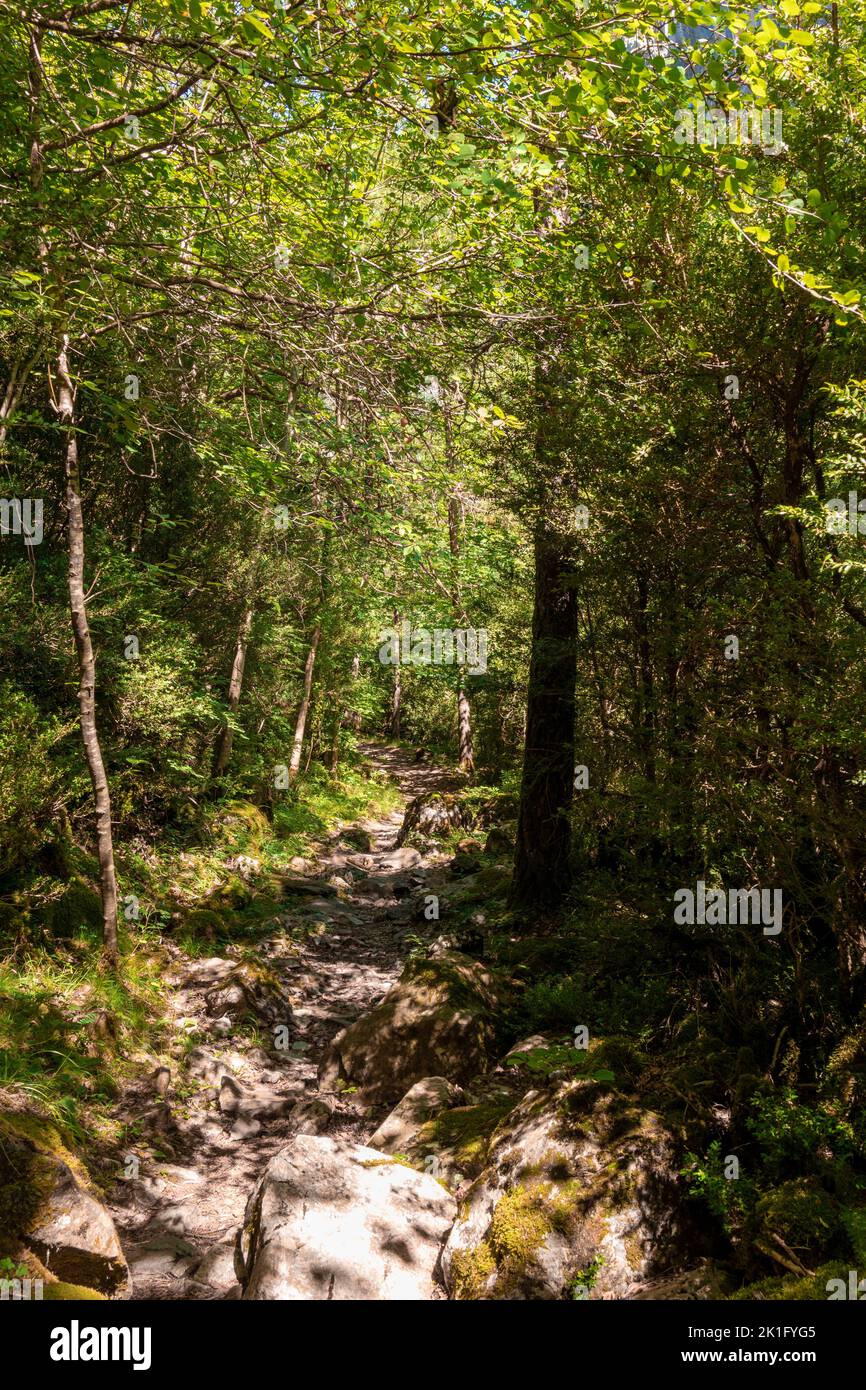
[230, 1105]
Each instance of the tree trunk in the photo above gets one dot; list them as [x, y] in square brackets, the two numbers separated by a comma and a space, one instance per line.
[465, 756]
[224, 748]
[542, 873]
[335, 742]
[354, 716]
[301, 723]
[86, 663]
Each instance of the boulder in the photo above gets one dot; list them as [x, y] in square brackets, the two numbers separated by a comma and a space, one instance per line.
[250, 989]
[420, 1103]
[361, 863]
[453, 1145]
[358, 838]
[337, 1221]
[397, 861]
[216, 1269]
[462, 865]
[498, 843]
[433, 816]
[204, 973]
[437, 1020]
[299, 865]
[312, 1115]
[48, 1205]
[580, 1197]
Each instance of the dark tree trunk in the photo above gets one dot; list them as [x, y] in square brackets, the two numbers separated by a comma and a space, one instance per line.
[542, 873]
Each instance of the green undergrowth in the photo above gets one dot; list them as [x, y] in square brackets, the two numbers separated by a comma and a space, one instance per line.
[70, 1034]
[322, 802]
[766, 1098]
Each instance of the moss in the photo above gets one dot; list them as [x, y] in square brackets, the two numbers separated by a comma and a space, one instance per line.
[811, 1288]
[29, 1148]
[78, 908]
[467, 983]
[520, 1225]
[491, 882]
[242, 826]
[207, 922]
[233, 894]
[465, 1133]
[70, 1292]
[471, 1271]
[801, 1212]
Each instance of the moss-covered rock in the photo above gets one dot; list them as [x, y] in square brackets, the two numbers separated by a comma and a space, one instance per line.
[250, 990]
[399, 1131]
[207, 923]
[49, 1206]
[499, 844]
[437, 1020]
[232, 894]
[240, 826]
[577, 1177]
[61, 1292]
[460, 1139]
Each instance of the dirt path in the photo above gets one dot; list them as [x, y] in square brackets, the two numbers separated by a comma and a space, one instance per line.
[231, 1105]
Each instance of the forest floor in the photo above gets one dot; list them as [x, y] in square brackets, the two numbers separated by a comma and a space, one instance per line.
[234, 1101]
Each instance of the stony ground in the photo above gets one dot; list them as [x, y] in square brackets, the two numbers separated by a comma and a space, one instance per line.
[229, 1105]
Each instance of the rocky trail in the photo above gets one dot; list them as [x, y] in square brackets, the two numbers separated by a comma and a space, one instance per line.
[346, 1111]
[232, 1105]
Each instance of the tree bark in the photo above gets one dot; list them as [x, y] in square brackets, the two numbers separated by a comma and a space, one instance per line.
[303, 711]
[224, 747]
[542, 873]
[465, 755]
[86, 662]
